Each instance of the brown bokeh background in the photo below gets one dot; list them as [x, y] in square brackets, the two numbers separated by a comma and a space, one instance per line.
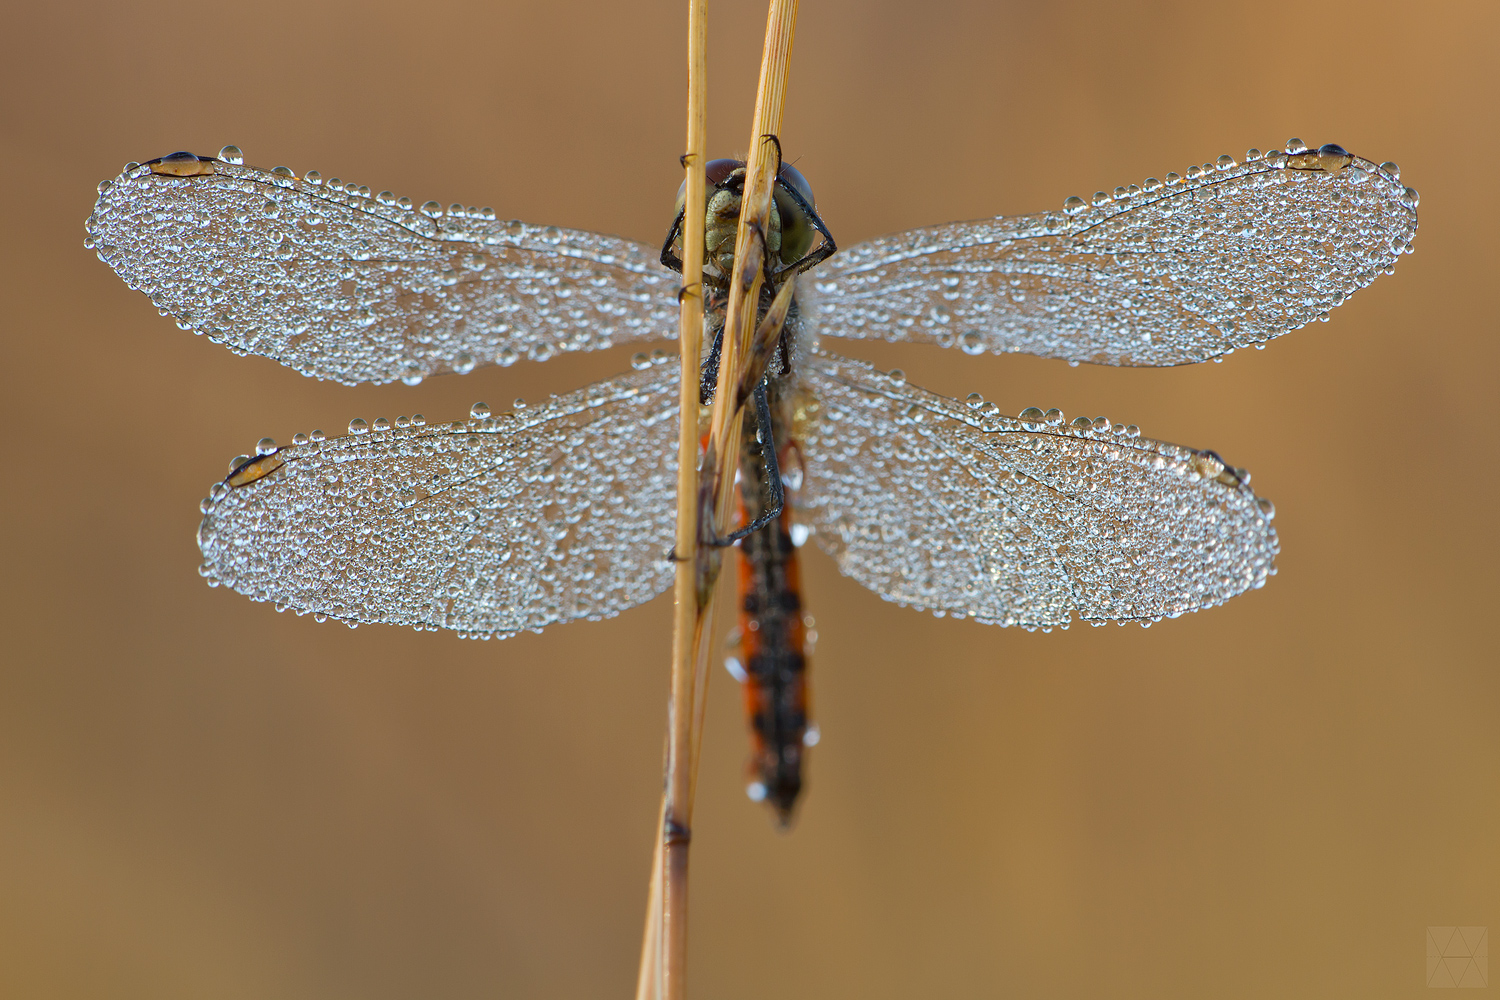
[202, 798]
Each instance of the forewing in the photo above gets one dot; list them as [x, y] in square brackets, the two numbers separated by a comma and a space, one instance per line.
[557, 511]
[959, 510]
[1160, 274]
[343, 285]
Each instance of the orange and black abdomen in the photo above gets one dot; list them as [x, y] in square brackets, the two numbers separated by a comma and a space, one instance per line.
[773, 645]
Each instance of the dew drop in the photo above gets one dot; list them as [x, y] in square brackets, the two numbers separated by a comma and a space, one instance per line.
[639, 361]
[479, 411]
[1332, 157]
[232, 154]
[1073, 205]
[1295, 146]
[507, 357]
[463, 362]
[265, 446]
[358, 426]
[971, 342]
[898, 376]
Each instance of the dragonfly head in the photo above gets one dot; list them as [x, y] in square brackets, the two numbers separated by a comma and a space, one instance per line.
[790, 231]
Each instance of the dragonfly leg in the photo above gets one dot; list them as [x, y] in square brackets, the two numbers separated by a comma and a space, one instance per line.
[708, 374]
[827, 247]
[777, 499]
[670, 260]
[824, 250]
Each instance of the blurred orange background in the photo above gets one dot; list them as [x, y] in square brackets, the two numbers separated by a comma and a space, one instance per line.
[202, 798]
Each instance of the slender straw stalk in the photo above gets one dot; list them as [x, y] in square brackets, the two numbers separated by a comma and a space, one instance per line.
[663, 970]
[664, 951]
[749, 253]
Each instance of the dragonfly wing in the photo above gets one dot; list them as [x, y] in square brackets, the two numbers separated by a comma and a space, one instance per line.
[960, 510]
[558, 511]
[1171, 274]
[341, 285]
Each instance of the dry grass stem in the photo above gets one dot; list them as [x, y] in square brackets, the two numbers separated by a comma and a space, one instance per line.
[664, 951]
[749, 252]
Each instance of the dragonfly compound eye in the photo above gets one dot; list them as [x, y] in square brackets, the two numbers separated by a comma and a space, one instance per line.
[797, 232]
[719, 171]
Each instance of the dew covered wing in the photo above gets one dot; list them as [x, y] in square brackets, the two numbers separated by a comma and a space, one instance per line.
[557, 511]
[1162, 274]
[343, 285]
[959, 510]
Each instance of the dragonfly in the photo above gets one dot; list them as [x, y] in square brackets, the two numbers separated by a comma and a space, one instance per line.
[512, 521]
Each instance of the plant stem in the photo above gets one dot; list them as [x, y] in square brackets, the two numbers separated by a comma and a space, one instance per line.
[664, 951]
[749, 252]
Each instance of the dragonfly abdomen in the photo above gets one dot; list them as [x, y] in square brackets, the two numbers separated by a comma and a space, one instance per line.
[773, 646]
